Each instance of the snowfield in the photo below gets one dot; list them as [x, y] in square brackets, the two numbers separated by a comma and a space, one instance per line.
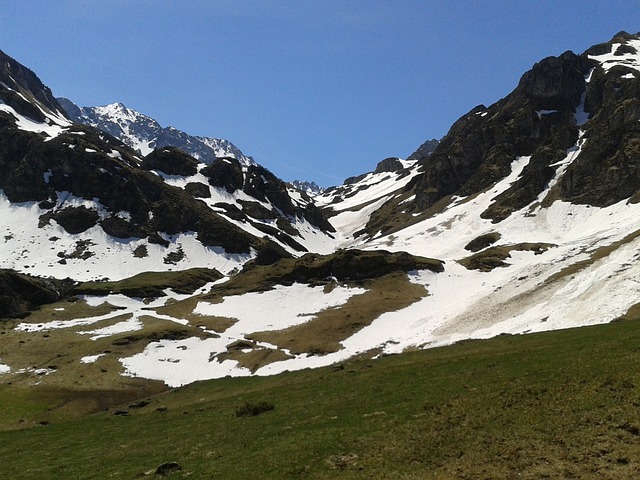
[587, 275]
[566, 265]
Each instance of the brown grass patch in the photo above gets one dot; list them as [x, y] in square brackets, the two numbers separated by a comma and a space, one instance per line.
[596, 254]
[73, 308]
[324, 332]
[494, 257]
[184, 310]
[258, 357]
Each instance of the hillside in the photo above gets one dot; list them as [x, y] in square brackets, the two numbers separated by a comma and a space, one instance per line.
[522, 219]
[550, 405]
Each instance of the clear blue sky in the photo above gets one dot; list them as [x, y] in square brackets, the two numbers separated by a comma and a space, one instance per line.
[318, 90]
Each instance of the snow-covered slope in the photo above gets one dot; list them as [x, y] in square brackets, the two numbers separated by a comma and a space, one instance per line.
[76, 202]
[532, 203]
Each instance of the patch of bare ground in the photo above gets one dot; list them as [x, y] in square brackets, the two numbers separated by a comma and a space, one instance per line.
[46, 367]
[493, 257]
[252, 356]
[184, 310]
[595, 255]
[323, 333]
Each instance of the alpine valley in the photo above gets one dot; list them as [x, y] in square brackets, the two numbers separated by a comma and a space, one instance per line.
[137, 257]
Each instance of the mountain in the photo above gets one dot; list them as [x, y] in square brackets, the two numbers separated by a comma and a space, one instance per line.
[523, 218]
[311, 188]
[77, 202]
[144, 134]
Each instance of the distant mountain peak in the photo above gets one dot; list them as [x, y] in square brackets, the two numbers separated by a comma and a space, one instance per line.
[311, 188]
[144, 134]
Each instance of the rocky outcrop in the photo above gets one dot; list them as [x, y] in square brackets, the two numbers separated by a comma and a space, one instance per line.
[171, 161]
[391, 164]
[22, 89]
[424, 150]
[226, 173]
[19, 293]
[537, 119]
[608, 167]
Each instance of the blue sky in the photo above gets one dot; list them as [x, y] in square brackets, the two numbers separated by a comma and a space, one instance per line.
[317, 90]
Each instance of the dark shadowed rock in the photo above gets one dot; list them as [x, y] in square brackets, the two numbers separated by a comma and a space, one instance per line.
[225, 173]
[171, 161]
[21, 293]
[167, 468]
[197, 190]
[391, 164]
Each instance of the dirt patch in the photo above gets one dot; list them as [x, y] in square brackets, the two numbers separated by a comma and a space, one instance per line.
[494, 257]
[324, 332]
[596, 254]
[253, 357]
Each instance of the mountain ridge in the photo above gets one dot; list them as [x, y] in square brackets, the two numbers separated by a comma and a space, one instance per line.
[528, 205]
[144, 134]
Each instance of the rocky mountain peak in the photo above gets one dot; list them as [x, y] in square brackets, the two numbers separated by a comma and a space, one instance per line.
[144, 134]
[21, 89]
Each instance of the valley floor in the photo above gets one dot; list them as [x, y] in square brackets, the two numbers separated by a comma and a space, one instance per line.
[562, 404]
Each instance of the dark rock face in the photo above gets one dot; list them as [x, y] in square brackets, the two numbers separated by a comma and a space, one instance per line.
[197, 189]
[21, 293]
[15, 77]
[608, 167]
[120, 228]
[225, 173]
[391, 164]
[555, 83]
[424, 150]
[171, 161]
[260, 183]
[537, 119]
[73, 219]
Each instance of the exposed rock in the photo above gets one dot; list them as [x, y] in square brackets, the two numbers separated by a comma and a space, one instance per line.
[224, 172]
[171, 161]
[483, 241]
[167, 468]
[21, 293]
[197, 190]
[73, 219]
[479, 148]
[391, 164]
[120, 228]
[15, 77]
[424, 150]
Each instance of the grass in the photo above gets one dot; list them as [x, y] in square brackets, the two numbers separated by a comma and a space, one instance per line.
[328, 328]
[153, 284]
[494, 257]
[562, 404]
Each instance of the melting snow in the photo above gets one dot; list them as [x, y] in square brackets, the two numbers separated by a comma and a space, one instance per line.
[184, 361]
[610, 60]
[91, 358]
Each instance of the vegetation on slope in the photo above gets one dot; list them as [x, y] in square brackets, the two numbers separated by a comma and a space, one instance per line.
[553, 405]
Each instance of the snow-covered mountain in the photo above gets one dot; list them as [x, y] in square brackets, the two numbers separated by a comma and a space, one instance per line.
[144, 134]
[76, 202]
[311, 188]
[525, 217]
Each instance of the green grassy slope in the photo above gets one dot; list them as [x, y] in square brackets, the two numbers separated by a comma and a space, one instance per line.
[560, 404]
